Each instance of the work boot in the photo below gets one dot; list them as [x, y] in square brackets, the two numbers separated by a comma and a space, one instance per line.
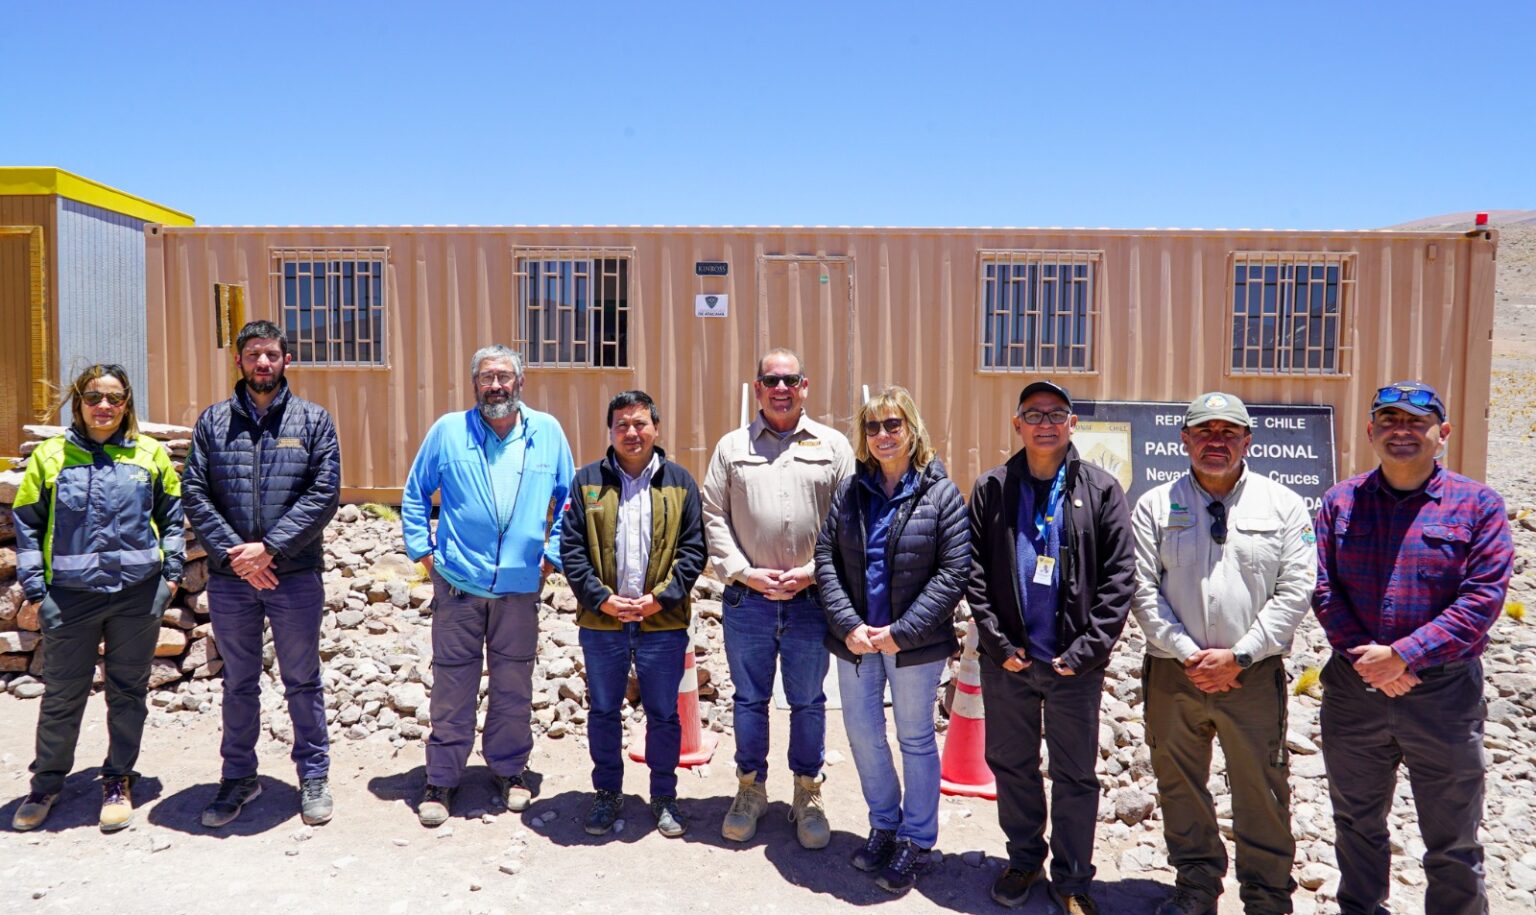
[875, 851]
[669, 820]
[900, 872]
[809, 814]
[1013, 886]
[1184, 902]
[603, 813]
[234, 794]
[315, 804]
[751, 802]
[432, 810]
[515, 793]
[33, 811]
[116, 804]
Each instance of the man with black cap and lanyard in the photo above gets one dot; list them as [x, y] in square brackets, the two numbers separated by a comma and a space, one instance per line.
[1413, 565]
[1052, 579]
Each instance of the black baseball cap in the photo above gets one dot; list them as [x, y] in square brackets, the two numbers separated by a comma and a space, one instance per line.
[1052, 387]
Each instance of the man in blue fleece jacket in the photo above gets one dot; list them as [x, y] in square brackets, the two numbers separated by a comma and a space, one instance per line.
[503, 471]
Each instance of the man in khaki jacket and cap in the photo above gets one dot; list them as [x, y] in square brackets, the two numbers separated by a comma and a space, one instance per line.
[1225, 566]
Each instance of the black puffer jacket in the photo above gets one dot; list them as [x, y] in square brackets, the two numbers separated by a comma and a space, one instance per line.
[928, 555]
[276, 480]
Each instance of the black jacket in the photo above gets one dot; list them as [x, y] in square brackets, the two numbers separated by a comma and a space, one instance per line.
[927, 558]
[276, 480]
[1098, 563]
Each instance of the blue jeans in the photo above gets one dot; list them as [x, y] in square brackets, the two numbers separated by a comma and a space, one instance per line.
[294, 609]
[761, 636]
[658, 662]
[914, 812]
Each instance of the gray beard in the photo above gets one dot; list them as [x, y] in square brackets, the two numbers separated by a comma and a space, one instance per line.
[501, 410]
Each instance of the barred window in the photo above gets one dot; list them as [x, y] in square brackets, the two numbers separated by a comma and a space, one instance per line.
[1039, 310]
[1291, 312]
[573, 307]
[332, 304]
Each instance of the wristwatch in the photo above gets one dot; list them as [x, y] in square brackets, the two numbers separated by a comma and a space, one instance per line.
[1244, 661]
[271, 550]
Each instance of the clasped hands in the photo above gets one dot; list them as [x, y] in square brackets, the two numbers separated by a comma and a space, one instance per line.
[252, 563]
[631, 609]
[1384, 669]
[867, 639]
[776, 585]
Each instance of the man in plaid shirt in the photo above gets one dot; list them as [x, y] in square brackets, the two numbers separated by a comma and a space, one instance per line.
[1413, 564]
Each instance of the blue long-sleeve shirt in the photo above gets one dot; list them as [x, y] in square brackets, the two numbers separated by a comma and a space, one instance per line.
[501, 501]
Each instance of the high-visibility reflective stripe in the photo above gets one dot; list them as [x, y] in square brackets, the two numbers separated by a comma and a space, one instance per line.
[690, 681]
[86, 561]
[33, 556]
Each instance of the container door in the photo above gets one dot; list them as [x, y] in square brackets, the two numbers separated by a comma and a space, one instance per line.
[806, 302]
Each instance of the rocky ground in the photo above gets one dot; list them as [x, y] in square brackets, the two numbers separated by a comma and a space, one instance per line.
[377, 647]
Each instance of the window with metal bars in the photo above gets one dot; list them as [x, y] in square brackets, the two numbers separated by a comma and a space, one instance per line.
[1039, 310]
[1290, 312]
[574, 308]
[332, 304]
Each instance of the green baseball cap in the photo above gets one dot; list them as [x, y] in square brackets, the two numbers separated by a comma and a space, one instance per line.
[1216, 405]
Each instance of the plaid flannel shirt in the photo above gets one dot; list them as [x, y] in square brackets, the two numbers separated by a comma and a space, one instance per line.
[1425, 574]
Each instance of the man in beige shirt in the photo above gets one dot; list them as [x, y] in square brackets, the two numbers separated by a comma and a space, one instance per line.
[766, 492]
[1225, 567]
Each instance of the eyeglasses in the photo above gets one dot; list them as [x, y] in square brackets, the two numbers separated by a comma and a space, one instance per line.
[1419, 397]
[789, 381]
[1035, 417]
[505, 379]
[1218, 512]
[893, 425]
[95, 397]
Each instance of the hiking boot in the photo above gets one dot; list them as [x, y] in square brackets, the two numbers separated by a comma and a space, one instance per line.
[876, 850]
[669, 821]
[515, 795]
[1013, 886]
[432, 810]
[1183, 902]
[116, 804]
[315, 805]
[1079, 904]
[740, 823]
[33, 811]
[604, 811]
[809, 814]
[234, 793]
[900, 873]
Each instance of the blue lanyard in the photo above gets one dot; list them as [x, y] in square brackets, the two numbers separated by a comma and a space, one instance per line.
[1045, 514]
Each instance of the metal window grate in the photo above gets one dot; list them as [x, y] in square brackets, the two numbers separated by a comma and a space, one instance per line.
[1291, 312]
[573, 306]
[332, 303]
[1039, 310]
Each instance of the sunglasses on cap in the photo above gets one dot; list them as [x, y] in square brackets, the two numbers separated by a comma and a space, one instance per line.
[892, 425]
[789, 381]
[1419, 397]
[95, 397]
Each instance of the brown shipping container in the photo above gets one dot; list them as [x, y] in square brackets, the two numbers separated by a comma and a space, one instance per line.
[866, 306]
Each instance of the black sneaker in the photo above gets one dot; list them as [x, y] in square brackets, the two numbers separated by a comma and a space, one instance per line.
[900, 872]
[669, 822]
[315, 804]
[605, 809]
[1013, 886]
[234, 793]
[515, 793]
[432, 810]
[876, 850]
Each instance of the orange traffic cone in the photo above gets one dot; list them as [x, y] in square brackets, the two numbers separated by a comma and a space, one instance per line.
[698, 744]
[964, 769]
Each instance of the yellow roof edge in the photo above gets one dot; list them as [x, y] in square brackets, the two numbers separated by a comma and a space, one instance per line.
[45, 180]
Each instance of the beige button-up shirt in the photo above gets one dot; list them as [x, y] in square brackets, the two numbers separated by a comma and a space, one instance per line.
[1249, 594]
[765, 496]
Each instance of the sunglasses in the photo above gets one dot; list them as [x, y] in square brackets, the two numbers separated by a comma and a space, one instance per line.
[1035, 417]
[1416, 396]
[1218, 512]
[893, 425]
[95, 397]
[773, 381]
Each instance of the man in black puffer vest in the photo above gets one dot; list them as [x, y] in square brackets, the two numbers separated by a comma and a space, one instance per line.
[1053, 574]
[261, 483]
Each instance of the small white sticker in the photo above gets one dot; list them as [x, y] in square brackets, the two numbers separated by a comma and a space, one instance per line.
[1045, 570]
[711, 305]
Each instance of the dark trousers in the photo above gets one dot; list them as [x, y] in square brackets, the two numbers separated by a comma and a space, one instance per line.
[294, 609]
[128, 621]
[1250, 722]
[1016, 704]
[1437, 730]
[473, 635]
[658, 661]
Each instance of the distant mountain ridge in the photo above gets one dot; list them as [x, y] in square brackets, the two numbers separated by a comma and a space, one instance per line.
[1495, 218]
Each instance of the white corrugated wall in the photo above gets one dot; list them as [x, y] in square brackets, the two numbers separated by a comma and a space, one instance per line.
[101, 312]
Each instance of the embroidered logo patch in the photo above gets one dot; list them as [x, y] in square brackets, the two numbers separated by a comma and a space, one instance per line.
[138, 474]
[1215, 402]
[1308, 535]
[809, 441]
[1179, 516]
[593, 495]
[290, 443]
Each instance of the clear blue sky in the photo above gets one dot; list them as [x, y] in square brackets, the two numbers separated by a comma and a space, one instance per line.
[1295, 115]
